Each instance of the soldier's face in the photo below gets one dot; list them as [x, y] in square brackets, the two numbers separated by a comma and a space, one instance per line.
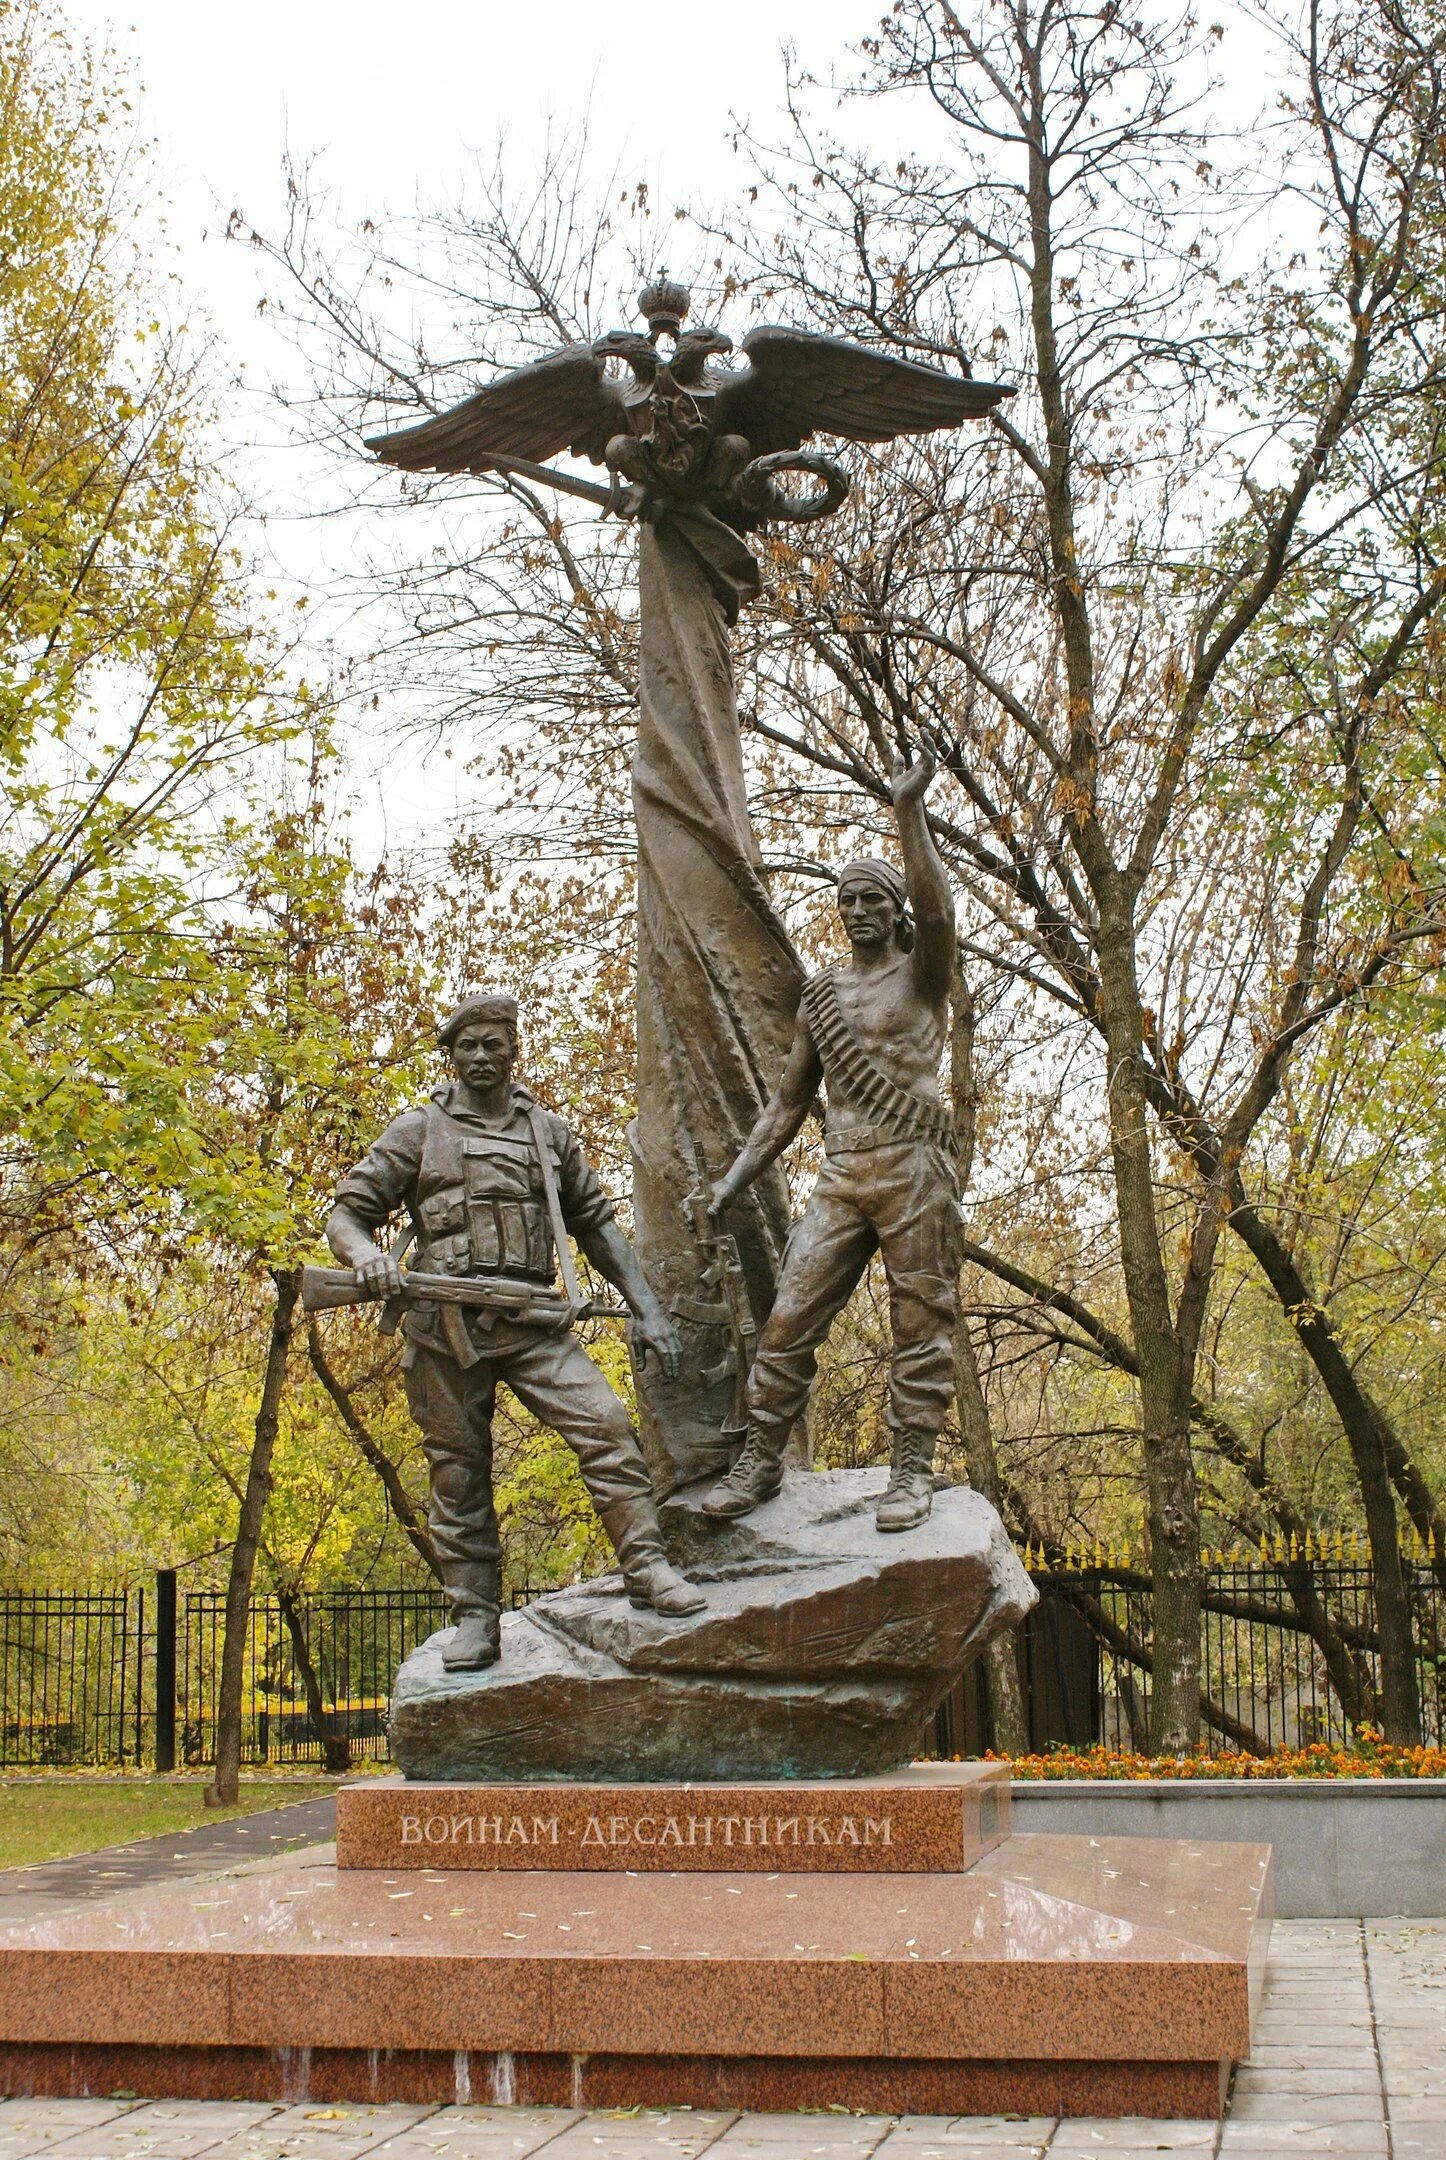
[483, 1054]
[868, 913]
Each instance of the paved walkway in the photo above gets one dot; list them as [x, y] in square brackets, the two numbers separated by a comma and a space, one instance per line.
[1350, 2059]
[206, 1848]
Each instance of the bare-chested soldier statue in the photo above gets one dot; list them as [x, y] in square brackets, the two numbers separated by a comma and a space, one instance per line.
[873, 1032]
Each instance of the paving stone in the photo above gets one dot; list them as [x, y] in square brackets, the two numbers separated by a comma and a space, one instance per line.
[28, 2127]
[1083, 2139]
[64, 2115]
[623, 2135]
[1356, 2054]
[488, 2133]
[818, 2143]
[1002, 2130]
[316, 2132]
[960, 2149]
[1259, 2139]
[163, 2130]
[798, 2133]
[1267, 2107]
[1317, 2081]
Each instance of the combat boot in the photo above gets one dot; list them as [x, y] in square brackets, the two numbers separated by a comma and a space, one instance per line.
[477, 1637]
[910, 1492]
[754, 1478]
[476, 1641]
[652, 1582]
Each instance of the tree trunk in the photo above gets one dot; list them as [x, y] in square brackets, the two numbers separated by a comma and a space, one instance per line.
[1122, 1644]
[224, 1789]
[391, 1478]
[1174, 1513]
[335, 1747]
[1343, 1662]
[1362, 1424]
[1001, 1657]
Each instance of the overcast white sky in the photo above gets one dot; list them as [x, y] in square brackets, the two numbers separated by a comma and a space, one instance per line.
[389, 100]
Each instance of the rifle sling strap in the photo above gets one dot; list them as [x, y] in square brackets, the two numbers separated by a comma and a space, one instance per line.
[843, 1057]
[554, 1209]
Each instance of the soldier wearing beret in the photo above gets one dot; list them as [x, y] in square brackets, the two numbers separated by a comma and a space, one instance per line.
[493, 1184]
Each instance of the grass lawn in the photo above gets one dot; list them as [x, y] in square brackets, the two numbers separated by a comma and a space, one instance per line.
[71, 1815]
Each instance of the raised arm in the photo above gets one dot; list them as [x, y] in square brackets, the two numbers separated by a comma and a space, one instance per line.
[930, 899]
[782, 1117]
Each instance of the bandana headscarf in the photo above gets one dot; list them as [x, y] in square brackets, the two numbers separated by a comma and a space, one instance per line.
[878, 872]
[482, 1005]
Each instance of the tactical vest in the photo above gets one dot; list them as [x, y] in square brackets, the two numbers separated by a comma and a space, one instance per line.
[480, 1206]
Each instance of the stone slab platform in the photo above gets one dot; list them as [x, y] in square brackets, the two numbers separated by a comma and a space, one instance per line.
[932, 1817]
[1060, 1975]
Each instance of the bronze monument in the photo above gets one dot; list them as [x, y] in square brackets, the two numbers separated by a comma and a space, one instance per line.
[874, 1031]
[695, 448]
[822, 1648]
[493, 1185]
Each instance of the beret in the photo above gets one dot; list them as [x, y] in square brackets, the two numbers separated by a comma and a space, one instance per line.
[481, 1005]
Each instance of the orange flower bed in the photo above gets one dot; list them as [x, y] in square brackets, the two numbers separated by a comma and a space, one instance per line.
[1367, 1756]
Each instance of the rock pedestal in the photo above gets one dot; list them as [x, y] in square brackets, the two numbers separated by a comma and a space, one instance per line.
[823, 1651]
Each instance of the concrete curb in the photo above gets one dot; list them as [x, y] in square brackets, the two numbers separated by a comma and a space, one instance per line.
[1352, 1848]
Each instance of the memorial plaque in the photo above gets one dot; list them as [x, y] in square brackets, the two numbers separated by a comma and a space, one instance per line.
[933, 1816]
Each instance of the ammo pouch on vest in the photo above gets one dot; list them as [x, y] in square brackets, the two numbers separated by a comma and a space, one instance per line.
[480, 1202]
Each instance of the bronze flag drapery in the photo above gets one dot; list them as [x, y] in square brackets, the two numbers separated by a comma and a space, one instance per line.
[718, 978]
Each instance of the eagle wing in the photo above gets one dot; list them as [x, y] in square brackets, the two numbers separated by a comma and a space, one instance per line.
[563, 401]
[797, 385]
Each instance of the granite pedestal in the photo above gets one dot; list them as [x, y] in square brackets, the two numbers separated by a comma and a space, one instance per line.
[1035, 1975]
[932, 1817]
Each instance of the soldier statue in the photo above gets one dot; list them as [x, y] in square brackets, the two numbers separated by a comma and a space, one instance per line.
[873, 1031]
[493, 1184]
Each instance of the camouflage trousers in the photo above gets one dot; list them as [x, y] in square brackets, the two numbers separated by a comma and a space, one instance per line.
[552, 1376]
[898, 1198]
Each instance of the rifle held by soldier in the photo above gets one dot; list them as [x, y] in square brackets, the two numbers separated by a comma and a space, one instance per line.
[329, 1289]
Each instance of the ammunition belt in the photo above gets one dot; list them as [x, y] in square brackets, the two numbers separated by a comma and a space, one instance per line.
[896, 1114]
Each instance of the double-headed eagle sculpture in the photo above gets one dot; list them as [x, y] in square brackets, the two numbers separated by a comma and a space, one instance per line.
[679, 428]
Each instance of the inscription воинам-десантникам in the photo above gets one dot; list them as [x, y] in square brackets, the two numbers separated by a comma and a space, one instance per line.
[776, 1832]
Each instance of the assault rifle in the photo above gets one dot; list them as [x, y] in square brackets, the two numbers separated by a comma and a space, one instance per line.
[510, 1297]
[729, 1309]
[325, 1289]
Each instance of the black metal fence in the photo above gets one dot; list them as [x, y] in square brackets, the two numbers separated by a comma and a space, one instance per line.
[76, 1683]
[1289, 1656]
[129, 1676]
[317, 1669]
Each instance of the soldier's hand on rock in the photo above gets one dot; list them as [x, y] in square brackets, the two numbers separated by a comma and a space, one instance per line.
[654, 1335]
[381, 1276]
